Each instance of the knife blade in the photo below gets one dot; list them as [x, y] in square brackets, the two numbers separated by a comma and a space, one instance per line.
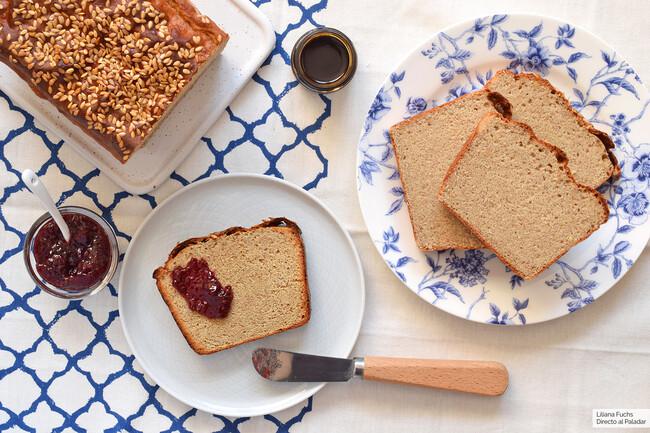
[477, 377]
[283, 366]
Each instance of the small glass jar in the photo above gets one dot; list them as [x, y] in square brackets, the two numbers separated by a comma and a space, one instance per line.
[324, 60]
[30, 260]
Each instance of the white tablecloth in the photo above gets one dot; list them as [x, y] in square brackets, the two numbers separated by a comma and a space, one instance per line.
[66, 366]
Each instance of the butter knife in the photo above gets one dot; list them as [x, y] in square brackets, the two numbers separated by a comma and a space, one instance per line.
[476, 377]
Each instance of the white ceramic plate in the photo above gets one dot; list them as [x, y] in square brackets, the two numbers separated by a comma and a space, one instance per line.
[251, 40]
[475, 285]
[226, 383]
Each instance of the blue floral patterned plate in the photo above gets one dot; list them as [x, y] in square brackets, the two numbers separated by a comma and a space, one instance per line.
[600, 84]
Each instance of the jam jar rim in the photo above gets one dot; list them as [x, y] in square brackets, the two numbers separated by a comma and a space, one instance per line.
[30, 261]
[299, 72]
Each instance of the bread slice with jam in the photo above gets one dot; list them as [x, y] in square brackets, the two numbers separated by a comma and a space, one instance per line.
[262, 267]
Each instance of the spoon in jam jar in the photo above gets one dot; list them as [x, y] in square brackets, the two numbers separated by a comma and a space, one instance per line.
[34, 184]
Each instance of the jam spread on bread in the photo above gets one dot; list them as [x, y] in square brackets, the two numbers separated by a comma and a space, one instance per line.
[201, 289]
[75, 265]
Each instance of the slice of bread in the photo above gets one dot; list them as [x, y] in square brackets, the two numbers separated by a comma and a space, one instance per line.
[425, 145]
[547, 111]
[265, 267]
[516, 193]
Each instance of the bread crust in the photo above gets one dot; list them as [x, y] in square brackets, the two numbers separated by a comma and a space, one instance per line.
[561, 158]
[280, 222]
[500, 104]
[608, 144]
[191, 22]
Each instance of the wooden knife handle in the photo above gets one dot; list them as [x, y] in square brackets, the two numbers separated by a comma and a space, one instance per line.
[477, 377]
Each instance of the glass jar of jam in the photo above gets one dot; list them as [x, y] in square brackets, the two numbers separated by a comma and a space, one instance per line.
[79, 267]
[324, 60]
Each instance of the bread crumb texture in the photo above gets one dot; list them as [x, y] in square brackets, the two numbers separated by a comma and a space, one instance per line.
[516, 193]
[265, 266]
[538, 104]
[424, 146]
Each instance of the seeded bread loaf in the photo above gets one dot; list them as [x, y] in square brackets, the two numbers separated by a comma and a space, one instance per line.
[265, 267]
[547, 111]
[115, 69]
[516, 193]
[425, 145]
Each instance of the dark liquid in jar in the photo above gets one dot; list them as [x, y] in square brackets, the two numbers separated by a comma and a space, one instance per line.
[201, 289]
[75, 265]
[324, 59]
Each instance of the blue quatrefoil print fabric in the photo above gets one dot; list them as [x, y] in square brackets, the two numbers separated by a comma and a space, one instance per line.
[81, 383]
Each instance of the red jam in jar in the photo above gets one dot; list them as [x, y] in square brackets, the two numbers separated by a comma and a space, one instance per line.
[75, 265]
[201, 289]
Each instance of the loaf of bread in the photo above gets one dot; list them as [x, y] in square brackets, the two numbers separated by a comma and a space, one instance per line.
[113, 68]
[425, 145]
[546, 110]
[264, 268]
[516, 193]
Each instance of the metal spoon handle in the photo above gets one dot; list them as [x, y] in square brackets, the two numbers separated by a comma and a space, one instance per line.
[34, 184]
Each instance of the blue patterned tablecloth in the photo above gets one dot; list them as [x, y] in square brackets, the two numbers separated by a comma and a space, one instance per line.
[65, 366]
[67, 363]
